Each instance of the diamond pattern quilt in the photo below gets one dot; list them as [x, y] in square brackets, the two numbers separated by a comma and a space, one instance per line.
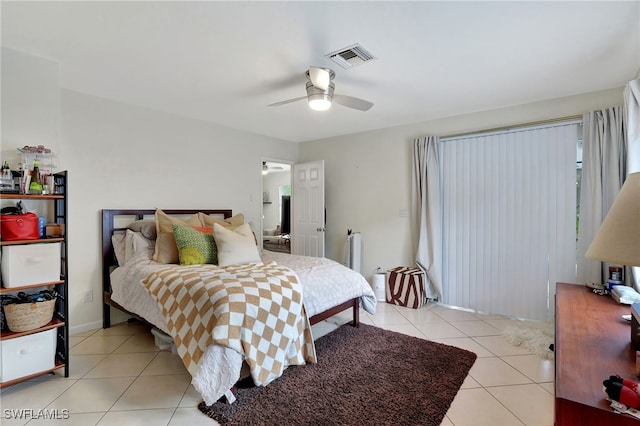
[254, 309]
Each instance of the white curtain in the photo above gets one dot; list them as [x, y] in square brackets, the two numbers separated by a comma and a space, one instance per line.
[426, 209]
[632, 115]
[603, 172]
[509, 223]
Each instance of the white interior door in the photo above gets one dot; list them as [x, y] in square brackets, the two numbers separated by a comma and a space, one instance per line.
[307, 216]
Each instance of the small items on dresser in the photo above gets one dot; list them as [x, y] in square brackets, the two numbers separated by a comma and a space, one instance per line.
[625, 295]
[615, 277]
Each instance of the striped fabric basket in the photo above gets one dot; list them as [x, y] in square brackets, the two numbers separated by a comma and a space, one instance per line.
[405, 287]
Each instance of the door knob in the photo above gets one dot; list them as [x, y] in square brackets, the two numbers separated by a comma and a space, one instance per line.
[320, 229]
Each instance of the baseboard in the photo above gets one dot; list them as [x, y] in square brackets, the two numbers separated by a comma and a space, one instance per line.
[85, 327]
[116, 318]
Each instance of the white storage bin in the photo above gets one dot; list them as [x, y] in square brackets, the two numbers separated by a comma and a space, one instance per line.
[379, 279]
[27, 355]
[30, 264]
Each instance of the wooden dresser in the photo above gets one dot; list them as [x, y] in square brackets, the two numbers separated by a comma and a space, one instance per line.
[592, 342]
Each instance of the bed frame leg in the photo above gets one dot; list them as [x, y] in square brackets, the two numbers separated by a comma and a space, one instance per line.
[356, 313]
[106, 316]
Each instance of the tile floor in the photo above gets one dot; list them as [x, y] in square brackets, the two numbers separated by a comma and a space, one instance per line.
[119, 377]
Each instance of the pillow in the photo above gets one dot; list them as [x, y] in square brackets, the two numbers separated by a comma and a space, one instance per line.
[135, 244]
[166, 250]
[255, 238]
[208, 221]
[195, 244]
[147, 227]
[119, 247]
[235, 247]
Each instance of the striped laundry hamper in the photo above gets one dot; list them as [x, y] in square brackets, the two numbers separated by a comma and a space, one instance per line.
[405, 287]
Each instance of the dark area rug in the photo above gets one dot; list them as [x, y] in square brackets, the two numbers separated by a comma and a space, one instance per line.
[364, 376]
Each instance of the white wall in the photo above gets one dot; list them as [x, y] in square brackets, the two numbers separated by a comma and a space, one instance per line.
[120, 156]
[30, 104]
[368, 175]
[30, 113]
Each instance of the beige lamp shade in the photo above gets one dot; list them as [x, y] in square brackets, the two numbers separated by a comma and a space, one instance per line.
[618, 239]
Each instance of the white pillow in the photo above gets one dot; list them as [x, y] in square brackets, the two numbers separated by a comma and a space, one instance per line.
[119, 247]
[235, 247]
[136, 243]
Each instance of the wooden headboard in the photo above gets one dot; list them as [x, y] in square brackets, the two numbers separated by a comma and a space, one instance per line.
[109, 226]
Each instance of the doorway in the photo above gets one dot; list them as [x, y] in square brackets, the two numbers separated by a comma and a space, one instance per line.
[276, 206]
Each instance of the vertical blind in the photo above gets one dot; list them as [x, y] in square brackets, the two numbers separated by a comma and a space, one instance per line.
[509, 219]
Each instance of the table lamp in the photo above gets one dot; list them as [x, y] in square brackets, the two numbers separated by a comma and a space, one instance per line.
[618, 239]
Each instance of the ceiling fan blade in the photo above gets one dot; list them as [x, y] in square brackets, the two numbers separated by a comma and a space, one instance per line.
[320, 77]
[288, 101]
[351, 102]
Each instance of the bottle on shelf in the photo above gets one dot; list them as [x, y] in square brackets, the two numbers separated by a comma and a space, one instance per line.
[6, 179]
[35, 187]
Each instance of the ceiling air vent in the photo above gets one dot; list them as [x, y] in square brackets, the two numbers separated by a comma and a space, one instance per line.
[351, 56]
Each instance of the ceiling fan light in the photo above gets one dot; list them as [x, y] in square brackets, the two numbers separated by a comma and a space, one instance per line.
[319, 104]
[319, 100]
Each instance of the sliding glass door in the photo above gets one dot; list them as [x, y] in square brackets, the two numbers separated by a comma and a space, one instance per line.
[509, 218]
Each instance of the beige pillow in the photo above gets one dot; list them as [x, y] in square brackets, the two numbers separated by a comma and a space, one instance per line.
[237, 246]
[208, 221]
[166, 250]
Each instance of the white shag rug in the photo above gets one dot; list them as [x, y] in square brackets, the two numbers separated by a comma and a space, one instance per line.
[536, 337]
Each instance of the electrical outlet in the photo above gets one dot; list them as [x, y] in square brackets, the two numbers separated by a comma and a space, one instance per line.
[88, 296]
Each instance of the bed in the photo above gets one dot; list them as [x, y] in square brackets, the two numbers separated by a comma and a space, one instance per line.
[328, 288]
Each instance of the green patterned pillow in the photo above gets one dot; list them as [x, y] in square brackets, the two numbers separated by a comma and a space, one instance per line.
[195, 245]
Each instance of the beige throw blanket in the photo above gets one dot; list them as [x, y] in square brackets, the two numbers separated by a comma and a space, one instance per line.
[254, 309]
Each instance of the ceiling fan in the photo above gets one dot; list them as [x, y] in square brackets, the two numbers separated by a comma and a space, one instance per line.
[320, 94]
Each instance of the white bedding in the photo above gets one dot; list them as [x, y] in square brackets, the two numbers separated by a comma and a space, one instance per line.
[325, 284]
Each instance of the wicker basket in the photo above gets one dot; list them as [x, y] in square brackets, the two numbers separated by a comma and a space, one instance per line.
[28, 316]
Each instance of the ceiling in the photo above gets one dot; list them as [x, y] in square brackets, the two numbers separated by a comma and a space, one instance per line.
[224, 62]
